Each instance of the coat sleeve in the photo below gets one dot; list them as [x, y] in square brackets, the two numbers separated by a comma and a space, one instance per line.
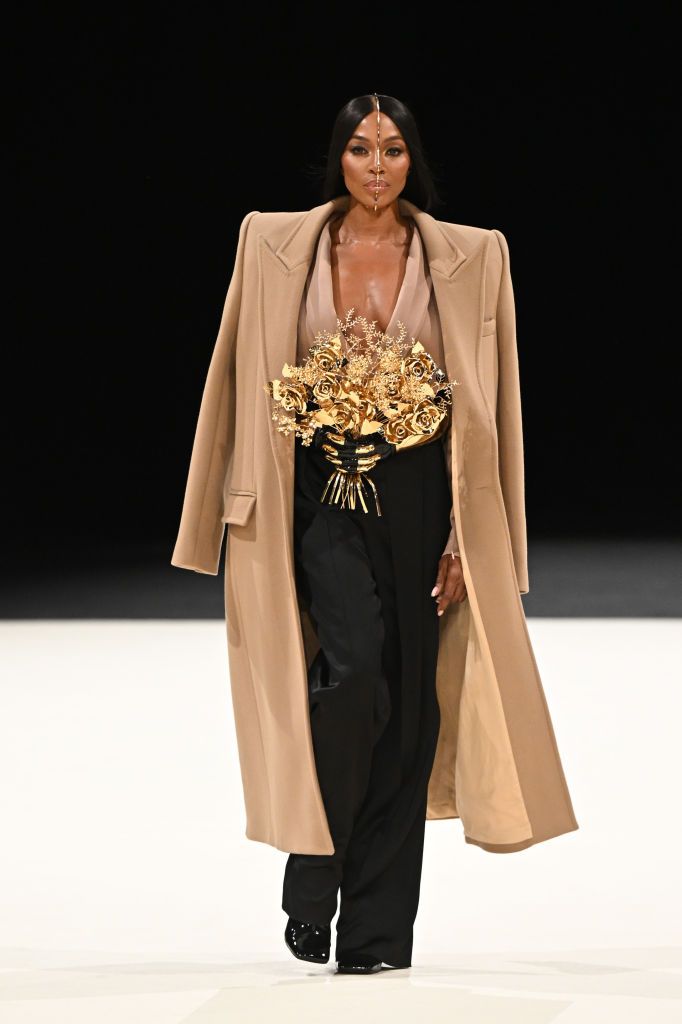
[201, 531]
[509, 420]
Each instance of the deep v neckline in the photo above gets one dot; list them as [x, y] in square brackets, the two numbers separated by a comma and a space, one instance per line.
[412, 267]
[412, 308]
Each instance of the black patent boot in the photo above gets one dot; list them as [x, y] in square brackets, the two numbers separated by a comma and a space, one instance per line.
[308, 941]
[357, 963]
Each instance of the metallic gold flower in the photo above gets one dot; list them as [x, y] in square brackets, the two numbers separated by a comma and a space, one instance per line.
[388, 388]
[366, 408]
[327, 388]
[419, 363]
[398, 429]
[425, 417]
[344, 415]
[327, 355]
[292, 397]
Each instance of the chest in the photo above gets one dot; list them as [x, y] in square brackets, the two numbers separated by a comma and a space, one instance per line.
[368, 278]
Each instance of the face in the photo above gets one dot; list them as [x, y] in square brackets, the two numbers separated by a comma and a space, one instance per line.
[359, 161]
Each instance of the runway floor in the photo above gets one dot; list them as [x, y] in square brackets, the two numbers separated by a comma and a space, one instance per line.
[129, 892]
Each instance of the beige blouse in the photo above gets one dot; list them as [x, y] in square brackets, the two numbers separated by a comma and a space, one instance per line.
[416, 308]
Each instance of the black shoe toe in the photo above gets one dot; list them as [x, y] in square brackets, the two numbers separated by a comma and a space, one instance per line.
[308, 941]
[357, 963]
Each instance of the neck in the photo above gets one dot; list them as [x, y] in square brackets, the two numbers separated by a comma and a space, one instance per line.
[361, 224]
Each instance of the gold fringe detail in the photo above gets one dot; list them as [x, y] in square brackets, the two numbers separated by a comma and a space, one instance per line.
[347, 488]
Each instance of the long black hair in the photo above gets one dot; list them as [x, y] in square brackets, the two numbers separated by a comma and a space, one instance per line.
[420, 187]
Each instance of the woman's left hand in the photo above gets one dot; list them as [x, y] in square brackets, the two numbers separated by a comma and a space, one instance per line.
[450, 584]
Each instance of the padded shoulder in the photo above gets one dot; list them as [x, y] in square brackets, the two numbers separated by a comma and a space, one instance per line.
[275, 226]
[467, 237]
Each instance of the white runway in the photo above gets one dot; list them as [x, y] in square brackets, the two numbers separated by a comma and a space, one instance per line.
[129, 893]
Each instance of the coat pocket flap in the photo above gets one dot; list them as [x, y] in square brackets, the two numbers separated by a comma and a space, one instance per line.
[489, 327]
[238, 506]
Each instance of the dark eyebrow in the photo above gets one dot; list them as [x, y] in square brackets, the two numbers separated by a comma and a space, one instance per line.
[365, 139]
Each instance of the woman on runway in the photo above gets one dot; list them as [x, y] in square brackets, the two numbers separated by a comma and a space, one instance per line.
[380, 666]
[374, 585]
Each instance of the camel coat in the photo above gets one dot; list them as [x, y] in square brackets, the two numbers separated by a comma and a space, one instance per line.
[497, 767]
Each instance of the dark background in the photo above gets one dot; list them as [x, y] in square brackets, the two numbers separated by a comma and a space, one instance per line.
[140, 139]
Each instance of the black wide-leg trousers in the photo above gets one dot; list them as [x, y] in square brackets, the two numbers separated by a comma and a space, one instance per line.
[366, 580]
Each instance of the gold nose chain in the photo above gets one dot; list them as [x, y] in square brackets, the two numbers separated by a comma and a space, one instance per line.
[378, 160]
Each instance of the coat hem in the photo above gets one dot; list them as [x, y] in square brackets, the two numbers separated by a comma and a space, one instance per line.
[195, 567]
[276, 845]
[523, 845]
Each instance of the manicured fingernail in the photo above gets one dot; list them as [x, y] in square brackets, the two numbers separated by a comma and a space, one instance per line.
[434, 591]
[440, 612]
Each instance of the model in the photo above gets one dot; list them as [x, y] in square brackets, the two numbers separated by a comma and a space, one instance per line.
[380, 664]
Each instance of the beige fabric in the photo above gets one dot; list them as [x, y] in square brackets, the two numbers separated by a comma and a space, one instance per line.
[497, 766]
[415, 308]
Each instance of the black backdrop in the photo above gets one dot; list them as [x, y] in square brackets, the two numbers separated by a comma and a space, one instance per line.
[141, 138]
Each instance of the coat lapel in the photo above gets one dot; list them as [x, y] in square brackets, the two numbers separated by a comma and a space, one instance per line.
[458, 283]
